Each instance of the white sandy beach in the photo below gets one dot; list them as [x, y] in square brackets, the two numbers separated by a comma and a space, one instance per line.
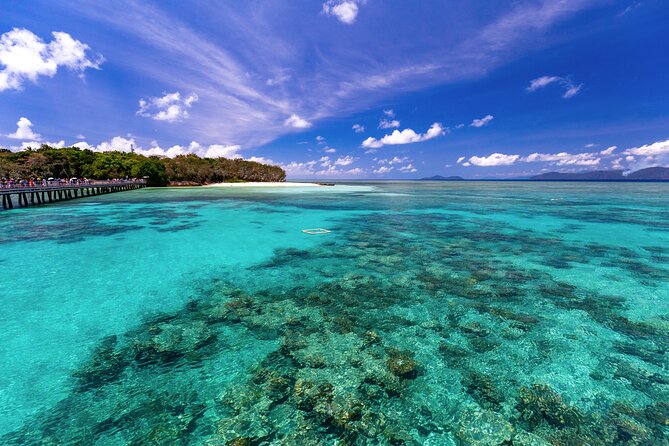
[266, 184]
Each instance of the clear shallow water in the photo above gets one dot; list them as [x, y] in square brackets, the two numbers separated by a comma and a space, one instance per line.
[433, 313]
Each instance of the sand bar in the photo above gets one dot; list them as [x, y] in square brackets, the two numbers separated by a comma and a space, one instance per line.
[264, 184]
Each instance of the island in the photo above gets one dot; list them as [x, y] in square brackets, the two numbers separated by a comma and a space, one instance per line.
[182, 170]
[441, 178]
[648, 174]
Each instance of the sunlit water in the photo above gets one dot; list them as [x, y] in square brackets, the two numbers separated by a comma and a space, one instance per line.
[476, 313]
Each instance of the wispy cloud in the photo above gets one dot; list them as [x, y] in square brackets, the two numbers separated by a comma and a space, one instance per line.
[236, 102]
[482, 122]
[571, 89]
[357, 128]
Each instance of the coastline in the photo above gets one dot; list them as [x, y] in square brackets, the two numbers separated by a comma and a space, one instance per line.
[264, 184]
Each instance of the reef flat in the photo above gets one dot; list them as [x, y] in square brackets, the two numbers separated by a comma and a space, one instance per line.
[435, 314]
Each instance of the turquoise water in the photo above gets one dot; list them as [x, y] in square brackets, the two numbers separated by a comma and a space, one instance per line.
[473, 313]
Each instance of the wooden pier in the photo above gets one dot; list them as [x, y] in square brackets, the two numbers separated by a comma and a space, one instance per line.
[24, 196]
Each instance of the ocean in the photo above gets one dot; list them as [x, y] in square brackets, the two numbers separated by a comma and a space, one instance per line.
[432, 313]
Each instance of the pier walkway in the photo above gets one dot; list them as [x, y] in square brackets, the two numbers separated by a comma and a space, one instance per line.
[23, 196]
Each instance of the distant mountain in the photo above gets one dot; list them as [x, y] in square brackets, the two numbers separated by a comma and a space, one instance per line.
[649, 174]
[440, 178]
[598, 175]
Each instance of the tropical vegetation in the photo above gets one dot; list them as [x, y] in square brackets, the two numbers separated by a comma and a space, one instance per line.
[69, 162]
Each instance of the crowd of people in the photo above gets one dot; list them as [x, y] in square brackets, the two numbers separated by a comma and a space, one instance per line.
[9, 183]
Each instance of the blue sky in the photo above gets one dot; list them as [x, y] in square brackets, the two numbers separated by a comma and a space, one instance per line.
[345, 88]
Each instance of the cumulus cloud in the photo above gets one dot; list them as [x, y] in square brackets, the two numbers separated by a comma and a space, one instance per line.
[384, 169]
[386, 124]
[24, 130]
[556, 159]
[406, 136]
[654, 149]
[346, 11]
[608, 151]
[496, 159]
[126, 144]
[324, 167]
[171, 107]
[345, 160]
[35, 144]
[330, 150]
[357, 128]
[564, 158]
[297, 122]
[409, 168]
[482, 122]
[394, 160]
[571, 89]
[25, 57]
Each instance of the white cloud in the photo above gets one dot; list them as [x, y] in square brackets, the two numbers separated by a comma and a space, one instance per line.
[389, 113]
[386, 124]
[571, 89]
[320, 139]
[24, 130]
[409, 168]
[357, 128]
[171, 107]
[629, 158]
[482, 122]
[330, 150]
[126, 144]
[654, 149]
[383, 169]
[406, 136]
[277, 80]
[608, 151]
[222, 151]
[459, 126]
[297, 122]
[36, 144]
[26, 57]
[461, 159]
[564, 158]
[467, 164]
[394, 160]
[346, 11]
[345, 161]
[496, 159]
[617, 164]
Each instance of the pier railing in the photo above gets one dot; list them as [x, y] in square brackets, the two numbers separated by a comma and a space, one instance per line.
[52, 191]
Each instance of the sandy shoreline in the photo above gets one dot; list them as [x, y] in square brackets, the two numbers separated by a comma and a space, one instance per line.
[265, 184]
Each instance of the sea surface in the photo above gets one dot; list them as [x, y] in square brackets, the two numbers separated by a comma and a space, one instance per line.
[452, 313]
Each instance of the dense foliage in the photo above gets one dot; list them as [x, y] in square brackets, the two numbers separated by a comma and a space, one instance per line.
[70, 162]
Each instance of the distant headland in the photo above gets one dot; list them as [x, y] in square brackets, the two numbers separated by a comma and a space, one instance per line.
[440, 178]
[648, 174]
